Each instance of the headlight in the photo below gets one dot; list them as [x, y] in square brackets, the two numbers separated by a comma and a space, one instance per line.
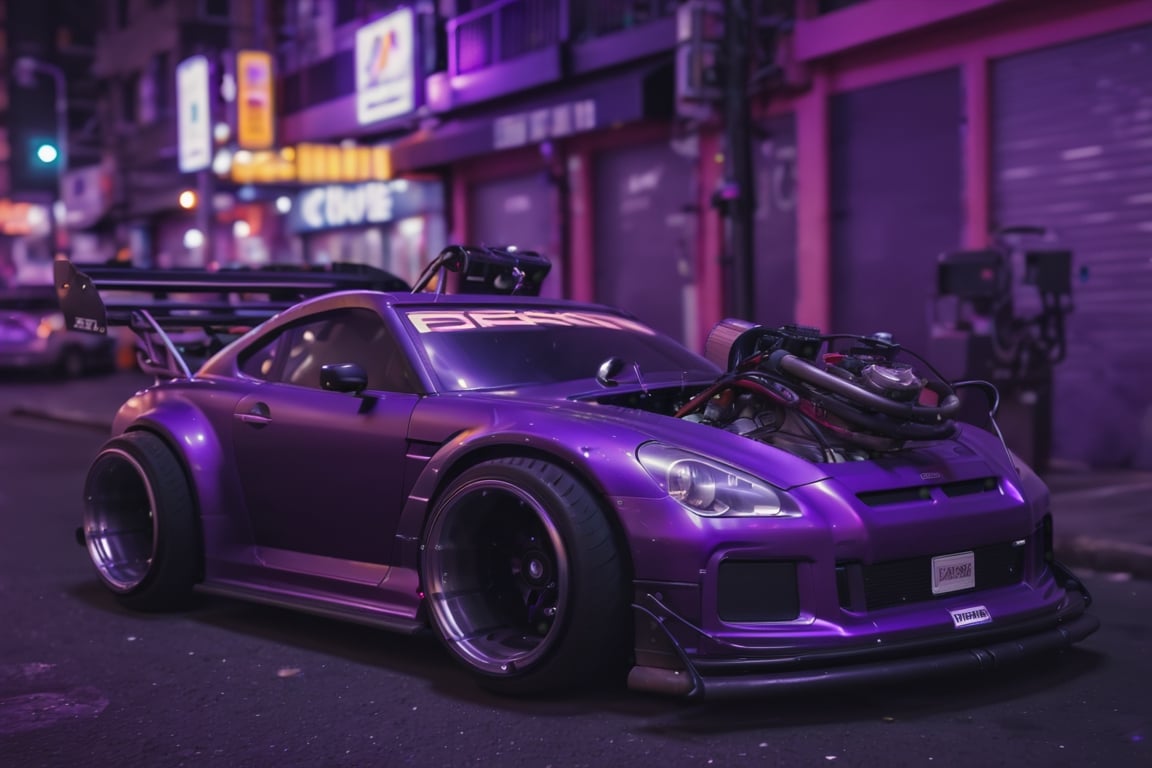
[50, 324]
[709, 488]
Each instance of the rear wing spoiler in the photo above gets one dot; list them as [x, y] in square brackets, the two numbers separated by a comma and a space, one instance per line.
[224, 304]
[153, 303]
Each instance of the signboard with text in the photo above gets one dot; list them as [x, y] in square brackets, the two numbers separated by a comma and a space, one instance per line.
[255, 112]
[334, 206]
[386, 67]
[194, 120]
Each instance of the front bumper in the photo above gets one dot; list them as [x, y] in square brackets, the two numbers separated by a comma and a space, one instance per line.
[798, 670]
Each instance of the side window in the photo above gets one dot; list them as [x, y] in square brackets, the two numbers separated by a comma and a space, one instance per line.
[344, 336]
[260, 363]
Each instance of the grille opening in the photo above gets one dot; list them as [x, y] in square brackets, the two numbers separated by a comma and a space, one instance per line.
[970, 487]
[757, 591]
[899, 582]
[924, 492]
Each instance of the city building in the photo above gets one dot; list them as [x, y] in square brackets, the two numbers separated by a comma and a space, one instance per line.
[48, 106]
[927, 126]
[165, 214]
[782, 160]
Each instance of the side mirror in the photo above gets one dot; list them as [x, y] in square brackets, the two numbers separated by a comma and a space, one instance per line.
[609, 370]
[343, 377]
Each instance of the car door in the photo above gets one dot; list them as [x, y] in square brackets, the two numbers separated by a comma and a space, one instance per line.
[323, 471]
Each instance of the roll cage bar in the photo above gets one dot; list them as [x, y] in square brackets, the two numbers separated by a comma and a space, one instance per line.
[506, 270]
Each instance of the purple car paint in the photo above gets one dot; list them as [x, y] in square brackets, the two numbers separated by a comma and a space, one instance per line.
[561, 494]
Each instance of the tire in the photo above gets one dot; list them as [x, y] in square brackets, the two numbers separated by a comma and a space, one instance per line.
[525, 583]
[72, 363]
[140, 523]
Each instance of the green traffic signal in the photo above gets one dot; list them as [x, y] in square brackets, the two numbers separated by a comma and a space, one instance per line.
[47, 153]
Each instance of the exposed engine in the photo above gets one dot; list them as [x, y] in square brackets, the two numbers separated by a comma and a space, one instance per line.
[788, 387]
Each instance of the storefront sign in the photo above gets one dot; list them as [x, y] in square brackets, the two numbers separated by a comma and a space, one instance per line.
[255, 116]
[386, 67]
[313, 164]
[538, 125]
[593, 105]
[327, 163]
[353, 205]
[194, 123]
[18, 218]
[87, 194]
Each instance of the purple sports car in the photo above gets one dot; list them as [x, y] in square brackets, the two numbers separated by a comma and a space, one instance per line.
[562, 494]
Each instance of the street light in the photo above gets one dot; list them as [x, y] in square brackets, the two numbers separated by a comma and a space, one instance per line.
[26, 69]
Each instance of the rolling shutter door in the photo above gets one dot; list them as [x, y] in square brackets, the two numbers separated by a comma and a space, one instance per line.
[895, 198]
[1072, 150]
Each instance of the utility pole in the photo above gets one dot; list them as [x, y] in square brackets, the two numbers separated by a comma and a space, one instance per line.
[737, 197]
[26, 69]
[713, 59]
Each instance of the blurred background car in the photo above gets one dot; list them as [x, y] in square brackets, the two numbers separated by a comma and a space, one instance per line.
[33, 336]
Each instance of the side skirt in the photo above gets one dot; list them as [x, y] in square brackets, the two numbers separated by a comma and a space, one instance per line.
[318, 604]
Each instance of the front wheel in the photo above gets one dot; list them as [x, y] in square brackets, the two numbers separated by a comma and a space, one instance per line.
[524, 579]
[140, 523]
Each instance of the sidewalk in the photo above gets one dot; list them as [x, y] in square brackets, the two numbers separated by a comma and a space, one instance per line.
[1103, 518]
[90, 401]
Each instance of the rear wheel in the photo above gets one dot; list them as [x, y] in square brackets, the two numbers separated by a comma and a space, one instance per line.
[72, 363]
[140, 524]
[524, 579]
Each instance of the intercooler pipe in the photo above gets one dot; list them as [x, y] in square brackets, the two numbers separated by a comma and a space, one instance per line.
[785, 362]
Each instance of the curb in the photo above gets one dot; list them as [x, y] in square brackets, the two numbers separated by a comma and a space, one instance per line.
[1105, 555]
[62, 417]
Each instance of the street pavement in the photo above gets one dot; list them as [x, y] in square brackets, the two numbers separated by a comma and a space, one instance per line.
[1103, 517]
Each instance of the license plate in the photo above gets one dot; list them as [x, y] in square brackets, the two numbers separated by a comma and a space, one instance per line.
[952, 573]
[970, 616]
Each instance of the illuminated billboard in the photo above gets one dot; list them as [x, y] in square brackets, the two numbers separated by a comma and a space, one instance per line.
[194, 122]
[335, 206]
[386, 67]
[255, 113]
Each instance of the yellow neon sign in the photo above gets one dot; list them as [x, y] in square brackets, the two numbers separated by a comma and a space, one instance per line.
[313, 164]
[255, 115]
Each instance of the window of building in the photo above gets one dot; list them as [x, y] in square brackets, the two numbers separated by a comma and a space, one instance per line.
[362, 10]
[347, 10]
[128, 93]
[830, 6]
[162, 85]
[217, 9]
[152, 94]
[154, 91]
[146, 98]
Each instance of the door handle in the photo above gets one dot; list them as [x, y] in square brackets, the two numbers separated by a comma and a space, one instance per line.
[258, 415]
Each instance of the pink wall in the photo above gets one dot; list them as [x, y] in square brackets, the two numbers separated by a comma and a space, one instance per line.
[872, 43]
[864, 45]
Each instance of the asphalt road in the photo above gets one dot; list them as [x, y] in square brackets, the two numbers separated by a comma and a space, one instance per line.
[86, 682]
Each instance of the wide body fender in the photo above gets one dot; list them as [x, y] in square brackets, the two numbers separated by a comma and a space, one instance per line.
[195, 439]
[596, 444]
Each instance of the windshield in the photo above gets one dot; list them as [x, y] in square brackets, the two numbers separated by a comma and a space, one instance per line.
[498, 349]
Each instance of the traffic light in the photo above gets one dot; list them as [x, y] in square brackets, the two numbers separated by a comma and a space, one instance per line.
[33, 140]
[47, 153]
[34, 162]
